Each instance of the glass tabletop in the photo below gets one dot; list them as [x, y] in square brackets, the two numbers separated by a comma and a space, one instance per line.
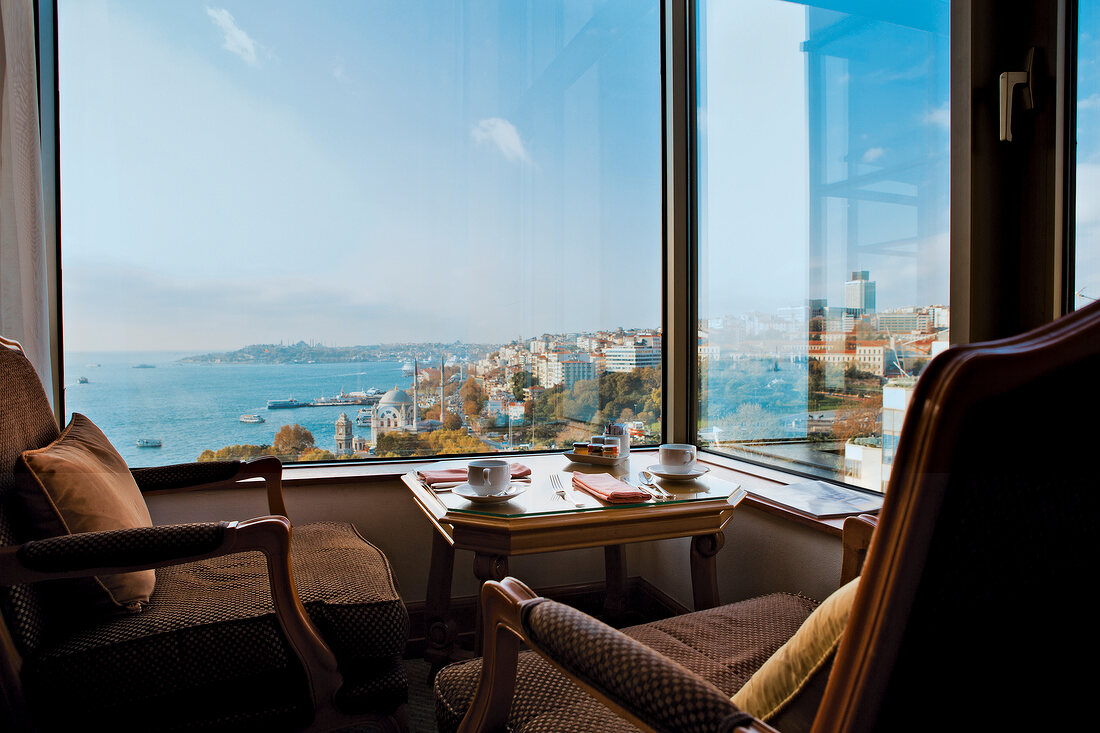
[536, 496]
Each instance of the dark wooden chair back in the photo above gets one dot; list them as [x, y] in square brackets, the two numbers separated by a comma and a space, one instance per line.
[973, 598]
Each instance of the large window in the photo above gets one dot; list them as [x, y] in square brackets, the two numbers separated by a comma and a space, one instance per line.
[1086, 287]
[331, 229]
[822, 227]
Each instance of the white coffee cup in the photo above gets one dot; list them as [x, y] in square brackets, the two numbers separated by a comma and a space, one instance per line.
[677, 457]
[488, 476]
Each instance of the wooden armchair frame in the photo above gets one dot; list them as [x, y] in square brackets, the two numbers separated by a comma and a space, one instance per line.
[267, 534]
[505, 604]
[974, 585]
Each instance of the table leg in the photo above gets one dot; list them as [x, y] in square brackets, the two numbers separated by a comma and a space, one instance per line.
[614, 563]
[486, 567]
[440, 626]
[704, 569]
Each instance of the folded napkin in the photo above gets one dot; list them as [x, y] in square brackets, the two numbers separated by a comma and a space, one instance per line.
[608, 488]
[447, 475]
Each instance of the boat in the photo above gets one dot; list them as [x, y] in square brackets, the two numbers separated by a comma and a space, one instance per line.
[82, 380]
[407, 368]
[144, 366]
[362, 418]
[148, 443]
[285, 404]
[251, 417]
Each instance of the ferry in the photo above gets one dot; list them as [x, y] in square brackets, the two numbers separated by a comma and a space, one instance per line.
[407, 368]
[251, 417]
[285, 404]
[82, 380]
[362, 419]
[148, 443]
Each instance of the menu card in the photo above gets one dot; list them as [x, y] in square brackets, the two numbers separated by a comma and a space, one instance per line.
[821, 500]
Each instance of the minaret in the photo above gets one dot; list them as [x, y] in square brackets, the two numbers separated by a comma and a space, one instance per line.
[416, 402]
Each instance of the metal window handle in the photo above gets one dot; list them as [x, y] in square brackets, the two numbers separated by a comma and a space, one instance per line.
[1009, 81]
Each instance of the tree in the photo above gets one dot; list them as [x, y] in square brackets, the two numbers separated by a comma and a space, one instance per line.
[521, 380]
[233, 452]
[292, 440]
[473, 397]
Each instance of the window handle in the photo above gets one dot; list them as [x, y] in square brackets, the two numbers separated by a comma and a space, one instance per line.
[1009, 81]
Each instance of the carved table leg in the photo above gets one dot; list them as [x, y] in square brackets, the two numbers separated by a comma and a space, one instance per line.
[704, 569]
[486, 567]
[614, 563]
[441, 629]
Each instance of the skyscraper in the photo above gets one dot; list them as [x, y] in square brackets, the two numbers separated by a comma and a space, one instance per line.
[859, 294]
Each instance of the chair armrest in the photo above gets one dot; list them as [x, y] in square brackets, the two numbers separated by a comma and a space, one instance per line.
[133, 549]
[120, 551]
[639, 684]
[856, 540]
[210, 474]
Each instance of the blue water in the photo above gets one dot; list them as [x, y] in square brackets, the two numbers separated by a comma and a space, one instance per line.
[192, 407]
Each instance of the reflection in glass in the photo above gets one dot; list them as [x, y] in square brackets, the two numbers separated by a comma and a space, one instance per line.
[823, 227]
[1086, 285]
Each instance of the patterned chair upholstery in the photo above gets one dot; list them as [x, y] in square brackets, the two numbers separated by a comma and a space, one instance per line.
[250, 625]
[722, 646]
[971, 598]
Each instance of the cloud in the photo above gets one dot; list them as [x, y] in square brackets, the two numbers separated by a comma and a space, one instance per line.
[236, 40]
[873, 154]
[941, 117]
[504, 135]
[1090, 102]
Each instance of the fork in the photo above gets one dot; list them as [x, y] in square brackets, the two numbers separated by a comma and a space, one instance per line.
[555, 482]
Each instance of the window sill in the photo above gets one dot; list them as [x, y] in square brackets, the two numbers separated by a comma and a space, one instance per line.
[750, 476]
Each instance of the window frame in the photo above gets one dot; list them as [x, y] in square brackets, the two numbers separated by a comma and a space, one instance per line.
[983, 178]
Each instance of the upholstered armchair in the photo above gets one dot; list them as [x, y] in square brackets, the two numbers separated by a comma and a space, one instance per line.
[970, 611]
[250, 624]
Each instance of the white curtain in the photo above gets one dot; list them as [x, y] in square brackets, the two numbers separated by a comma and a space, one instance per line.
[24, 278]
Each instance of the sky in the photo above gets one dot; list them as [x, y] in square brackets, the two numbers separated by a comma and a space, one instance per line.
[367, 172]
[254, 171]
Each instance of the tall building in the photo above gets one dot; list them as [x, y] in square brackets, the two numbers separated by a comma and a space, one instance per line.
[630, 357]
[859, 294]
[344, 436]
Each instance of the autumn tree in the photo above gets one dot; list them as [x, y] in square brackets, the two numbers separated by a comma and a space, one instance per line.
[293, 440]
[473, 397]
[233, 452]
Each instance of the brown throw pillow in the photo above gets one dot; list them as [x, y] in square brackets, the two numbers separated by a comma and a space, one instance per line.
[79, 483]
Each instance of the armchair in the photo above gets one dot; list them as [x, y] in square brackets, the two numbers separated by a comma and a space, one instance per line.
[970, 611]
[251, 624]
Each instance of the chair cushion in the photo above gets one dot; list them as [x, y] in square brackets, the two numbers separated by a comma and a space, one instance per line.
[723, 645]
[787, 672]
[79, 483]
[210, 633]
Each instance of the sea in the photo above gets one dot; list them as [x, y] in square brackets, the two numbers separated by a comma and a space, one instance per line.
[193, 407]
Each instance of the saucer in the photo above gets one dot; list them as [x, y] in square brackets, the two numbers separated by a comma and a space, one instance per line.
[661, 471]
[467, 492]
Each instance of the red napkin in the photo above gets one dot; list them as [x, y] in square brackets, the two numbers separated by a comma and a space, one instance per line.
[445, 475]
[608, 488]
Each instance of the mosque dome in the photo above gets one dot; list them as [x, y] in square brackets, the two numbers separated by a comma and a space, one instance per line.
[395, 397]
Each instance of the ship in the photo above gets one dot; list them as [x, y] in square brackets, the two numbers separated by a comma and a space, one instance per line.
[285, 404]
[407, 368]
[251, 417]
[82, 380]
[144, 366]
[148, 443]
[362, 419]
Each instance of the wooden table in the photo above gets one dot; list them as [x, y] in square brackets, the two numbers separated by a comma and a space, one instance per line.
[538, 520]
